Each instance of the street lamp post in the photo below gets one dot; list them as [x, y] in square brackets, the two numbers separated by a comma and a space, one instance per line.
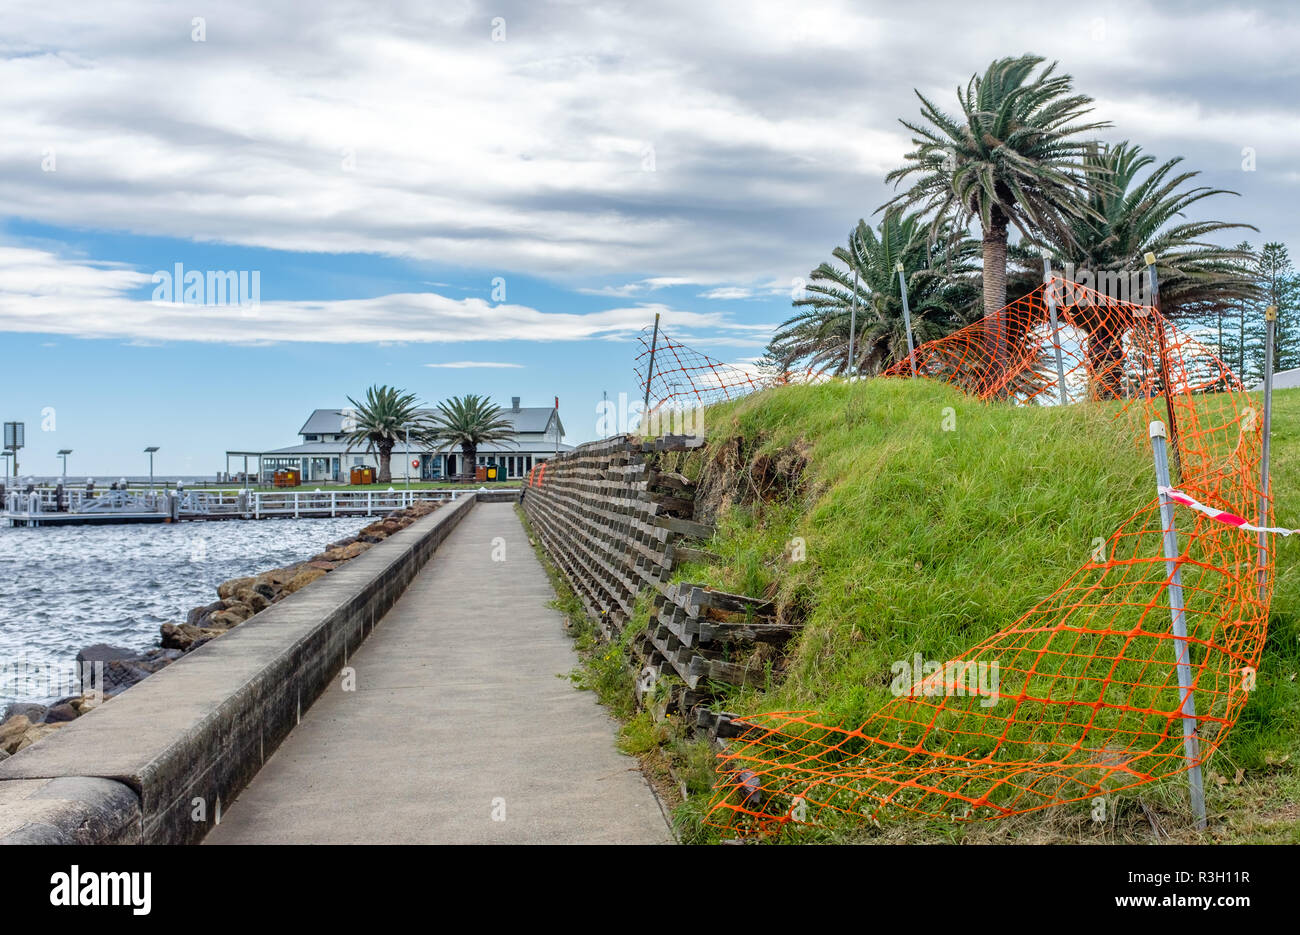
[13, 440]
[149, 451]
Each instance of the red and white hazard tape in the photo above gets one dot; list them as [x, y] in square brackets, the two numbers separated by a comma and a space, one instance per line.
[1222, 516]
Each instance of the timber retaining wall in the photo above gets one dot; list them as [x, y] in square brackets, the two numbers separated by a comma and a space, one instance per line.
[617, 524]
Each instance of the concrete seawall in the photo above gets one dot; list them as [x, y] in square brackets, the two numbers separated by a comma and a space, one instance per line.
[155, 765]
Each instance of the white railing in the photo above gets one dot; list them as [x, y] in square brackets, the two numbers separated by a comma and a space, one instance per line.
[196, 504]
[338, 502]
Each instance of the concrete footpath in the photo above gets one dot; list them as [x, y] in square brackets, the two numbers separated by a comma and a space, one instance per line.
[459, 730]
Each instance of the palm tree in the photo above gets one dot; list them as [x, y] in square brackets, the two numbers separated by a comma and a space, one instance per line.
[940, 288]
[1128, 217]
[380, 422]
[1012, 158]
[467, 421]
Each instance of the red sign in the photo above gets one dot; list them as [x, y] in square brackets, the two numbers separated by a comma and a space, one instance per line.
[415, 462]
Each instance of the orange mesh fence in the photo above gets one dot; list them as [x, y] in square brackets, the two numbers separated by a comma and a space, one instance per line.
[1079, 697]
[683, 376]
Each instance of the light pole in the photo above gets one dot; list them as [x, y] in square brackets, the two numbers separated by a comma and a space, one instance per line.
[63, 453]
[13, 441]
[408, 457]
[149, 451]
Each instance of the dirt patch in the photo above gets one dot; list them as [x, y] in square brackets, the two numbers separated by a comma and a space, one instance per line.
[735, 473]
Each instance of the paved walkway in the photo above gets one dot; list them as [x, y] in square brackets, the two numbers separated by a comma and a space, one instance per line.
[459, 711]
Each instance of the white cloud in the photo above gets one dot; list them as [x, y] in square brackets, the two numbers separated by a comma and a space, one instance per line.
[413, 134]
[471, 364]
[727, 292]
[42, 293]
[640, 287]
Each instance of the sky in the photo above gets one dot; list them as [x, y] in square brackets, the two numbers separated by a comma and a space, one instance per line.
[463, 197]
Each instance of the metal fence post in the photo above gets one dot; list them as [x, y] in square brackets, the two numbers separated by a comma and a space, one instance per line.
[1056, 328]
[907, 317]
[1150, 260]
[853, 315]
[1177, 609]
[649, 375]
[1270, 323]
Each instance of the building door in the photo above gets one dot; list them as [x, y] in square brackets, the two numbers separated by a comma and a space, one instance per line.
[451, 466]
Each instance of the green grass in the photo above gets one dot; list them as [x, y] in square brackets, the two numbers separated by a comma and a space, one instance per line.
[925, 540]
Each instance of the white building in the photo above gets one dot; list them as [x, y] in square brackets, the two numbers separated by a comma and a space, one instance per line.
[323, 454]
[1282, 380]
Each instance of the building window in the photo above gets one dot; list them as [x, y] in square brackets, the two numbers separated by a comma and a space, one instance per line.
[309, 438]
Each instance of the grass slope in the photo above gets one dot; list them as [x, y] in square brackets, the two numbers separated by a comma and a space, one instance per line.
[927, 520]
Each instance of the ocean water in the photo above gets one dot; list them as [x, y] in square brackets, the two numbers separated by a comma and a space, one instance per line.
[63, 588]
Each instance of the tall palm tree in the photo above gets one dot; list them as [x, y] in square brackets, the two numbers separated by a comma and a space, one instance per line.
[380, 422]
[940, 288]
[467, 421]
[1012, 157]
[1129, 216]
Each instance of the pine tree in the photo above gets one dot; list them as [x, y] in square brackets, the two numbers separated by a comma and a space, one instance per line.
[1276, 283]
[1240, 342]
[1281, 287]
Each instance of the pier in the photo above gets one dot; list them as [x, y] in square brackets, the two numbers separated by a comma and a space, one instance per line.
[50, 507]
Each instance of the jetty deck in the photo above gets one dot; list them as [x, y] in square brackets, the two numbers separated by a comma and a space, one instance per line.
[462, 727]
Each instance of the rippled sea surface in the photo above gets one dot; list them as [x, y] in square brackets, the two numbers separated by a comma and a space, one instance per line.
[63, 588]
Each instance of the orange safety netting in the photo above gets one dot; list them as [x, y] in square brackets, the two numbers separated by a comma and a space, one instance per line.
[683, 376]
[1079, 697]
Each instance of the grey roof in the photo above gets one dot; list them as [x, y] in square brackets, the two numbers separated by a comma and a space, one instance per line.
[526, 419]
[533, 446]
[323, 422]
